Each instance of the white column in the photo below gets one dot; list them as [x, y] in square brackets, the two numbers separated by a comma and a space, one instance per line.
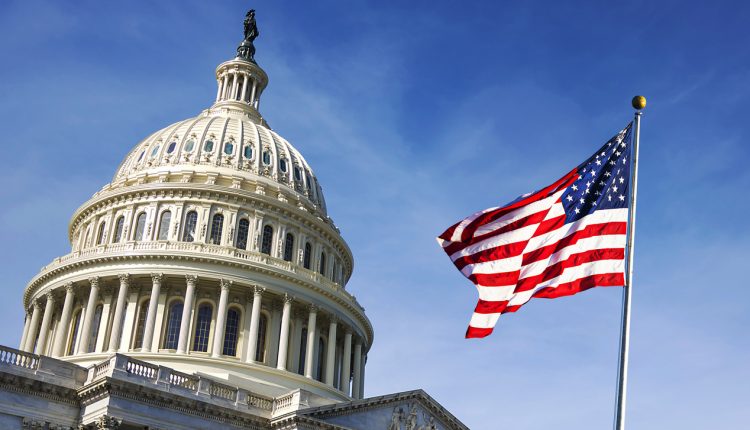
[161, 314]
[128, 322]
[233, 93]
[346, 360]
[102, 338]
[218, 89]
[252, 92]
[243, 94]
[311, 342]
[153, 303]
[284, 335]
[49, 308]
[331, 353]
[362, 377]
[122, 297]
[296, 342]
[88, 317]
[30, 339]
[252, 341]
[26, 324]
[187, 309]
[357, 369]
[61, 336]
[221, 318]
[224, 86]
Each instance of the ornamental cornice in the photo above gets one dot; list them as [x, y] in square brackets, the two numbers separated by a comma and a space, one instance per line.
[335, 294]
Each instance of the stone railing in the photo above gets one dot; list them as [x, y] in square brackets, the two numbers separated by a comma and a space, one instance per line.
[122, 366]
[17, 358]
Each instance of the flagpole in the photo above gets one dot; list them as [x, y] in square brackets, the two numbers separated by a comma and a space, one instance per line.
[639, 102]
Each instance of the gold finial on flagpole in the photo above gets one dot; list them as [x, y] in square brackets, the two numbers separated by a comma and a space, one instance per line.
[639, 102]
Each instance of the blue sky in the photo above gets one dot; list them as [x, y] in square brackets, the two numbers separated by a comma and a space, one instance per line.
[414, 115]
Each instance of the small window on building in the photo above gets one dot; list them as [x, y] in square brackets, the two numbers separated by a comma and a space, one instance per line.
[171, 147]
[189, 145]
[228, 148]
[202, 328]
[306, 259]
[283, 165]
[164, 221]
[174, 319]
[322, 266]
[217, 225]
[154, 151]
[248, 151]
[231, 331]
[288, 246]
[266, 242]
[74, 326]
[188, 232]
[100, 234]
[140, 157]
[119, 224]
[243, 228]
[260, 346]
[208, 146]
[140, 328]
[297, 173]
[267, 157]
[140, 226]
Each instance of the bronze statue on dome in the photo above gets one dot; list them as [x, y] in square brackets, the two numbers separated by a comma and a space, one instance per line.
[246, 50]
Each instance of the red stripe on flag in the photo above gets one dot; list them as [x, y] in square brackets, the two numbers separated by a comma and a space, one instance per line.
[488, 307]
[488, 217]
[608, 228]
[473, 332]
[555, 270]
[492, 254]
[582, 284]
[532, 219]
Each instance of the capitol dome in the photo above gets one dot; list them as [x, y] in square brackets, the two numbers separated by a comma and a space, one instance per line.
[211, 253]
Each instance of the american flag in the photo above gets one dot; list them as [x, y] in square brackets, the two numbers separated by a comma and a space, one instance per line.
[563, 239]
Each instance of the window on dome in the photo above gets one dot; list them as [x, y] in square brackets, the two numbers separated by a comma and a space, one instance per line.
[309, 182]
[164, 221]
[260, 345]
[100, 234]
[172, 334]
[228, 148]
[243, 227]
[119, 224]
[248, 151]
[171, 147]
[203, 328]
[297, 173]
[288, 246]
[265, 244]
[208, 146]
[266, 158]
[308, 255]
[154, 151]
[188, 232]
[95, 328]
[335, 272]
[189, 145]
[322, 266]
[282, 165]
[140, 226]
[140, 157]
[217, 224]
[74, 332]
[140, 328]
[231, 331]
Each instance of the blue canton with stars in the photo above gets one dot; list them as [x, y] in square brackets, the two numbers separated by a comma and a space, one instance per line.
[603, 180]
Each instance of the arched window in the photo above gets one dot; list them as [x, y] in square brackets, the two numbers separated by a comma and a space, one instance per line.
[95, 328]
[265, 244]
[217, 224]
[118, 229]
[140, 226]
[335, 272]
[74, 332]
[231, 331]
[308, 255]
[86, 238]
[203, 327]
[164, 220]
[243, 227]
[100, 234]
[322, 266]
[321, 358]
[260, 346]
[288, 246]
[302, 351]
[174, 319]
[188, 232]
[141, 326]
